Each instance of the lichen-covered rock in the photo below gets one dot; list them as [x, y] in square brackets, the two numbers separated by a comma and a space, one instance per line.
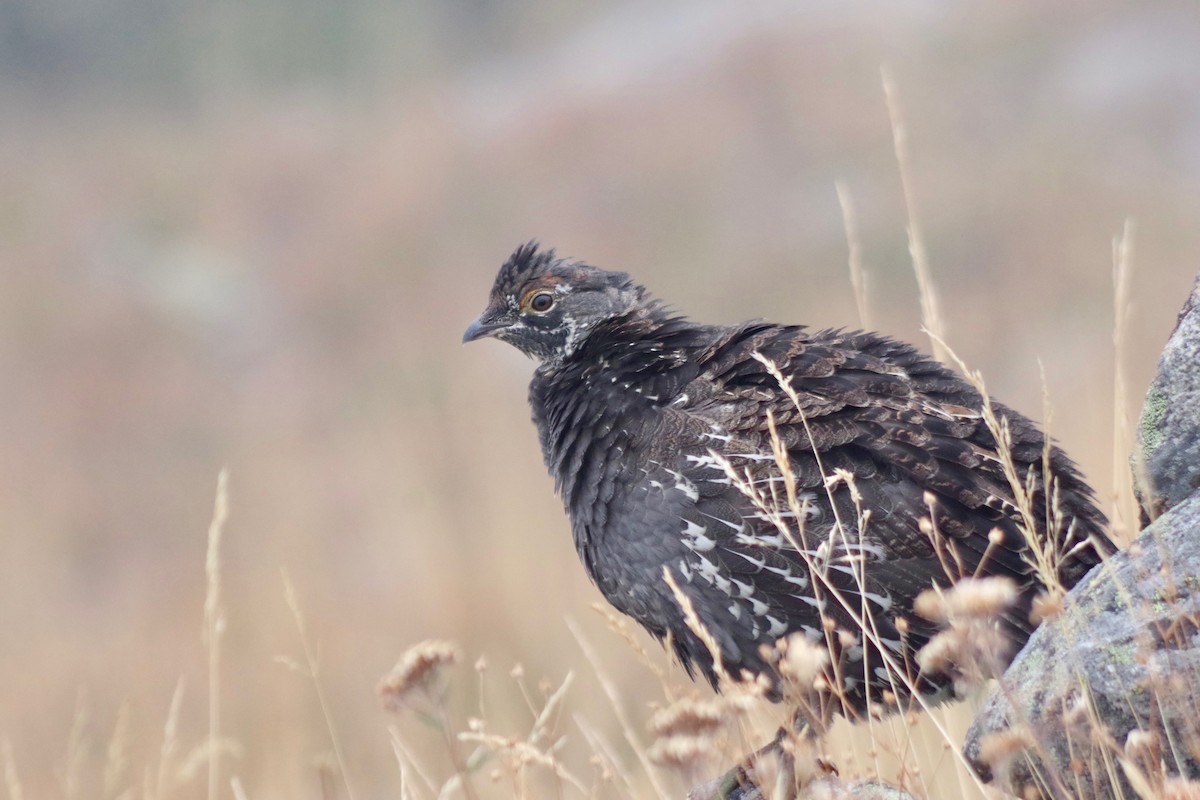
[1123, 656]
[834, 789]
[831, 788]
[1169, 431]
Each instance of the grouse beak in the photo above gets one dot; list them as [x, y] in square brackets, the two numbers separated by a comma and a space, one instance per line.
[482, 327]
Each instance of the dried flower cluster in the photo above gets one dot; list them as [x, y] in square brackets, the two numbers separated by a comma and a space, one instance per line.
[416, 671]
[1046, 605]
[1180, 789]
[687, 732]
[998, 749]
[801, 662]
[973, 647]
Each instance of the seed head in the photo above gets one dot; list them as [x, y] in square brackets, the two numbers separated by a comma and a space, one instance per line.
[1045, 606]
[688, 716]
[981, 598]
[931, 604]
[1180, 789]
[802, 661]
[416, 671]
[997, 749]
[681, 752]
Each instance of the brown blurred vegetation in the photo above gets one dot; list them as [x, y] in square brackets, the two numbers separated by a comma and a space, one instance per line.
[251, 235]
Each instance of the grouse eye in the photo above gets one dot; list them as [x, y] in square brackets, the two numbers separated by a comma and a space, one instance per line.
[541, 302]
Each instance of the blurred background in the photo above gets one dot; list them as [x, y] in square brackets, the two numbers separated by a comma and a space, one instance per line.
[250, 234]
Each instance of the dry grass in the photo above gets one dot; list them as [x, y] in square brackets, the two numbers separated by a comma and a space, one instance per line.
[687, 739]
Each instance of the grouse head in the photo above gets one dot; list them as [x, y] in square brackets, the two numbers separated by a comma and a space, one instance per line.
[546, 307]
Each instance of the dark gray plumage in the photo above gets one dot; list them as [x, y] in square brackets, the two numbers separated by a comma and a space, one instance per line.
[639, 412]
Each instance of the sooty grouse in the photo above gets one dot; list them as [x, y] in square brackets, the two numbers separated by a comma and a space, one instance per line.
[657, 431]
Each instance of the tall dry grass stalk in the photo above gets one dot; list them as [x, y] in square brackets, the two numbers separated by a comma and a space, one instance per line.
[12, 780]
[627, 727]
[1042, 554]
[931, 313]
[312, 671]
[1123, 513]
[214, 627]
[77, 749]
[116, 757]
[165, 775]
[858, 275]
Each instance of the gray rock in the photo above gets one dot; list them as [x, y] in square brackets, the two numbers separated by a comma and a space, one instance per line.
[823, 789]
[1169, 431]
[834, 789]
[1125, 651]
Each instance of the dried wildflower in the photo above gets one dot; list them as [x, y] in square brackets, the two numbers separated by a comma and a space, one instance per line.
[687, 733]
[760, 686]
[1180, 789]
[931, 604]
[972, 647]
[688, 717]
[602, 766]
[1076, 715]
[779, 771]
[981, 598]
[969, 599]
[746, 698]
[1139, 742]
[681, 752]
[941, 653]
[1143, 749]
[801, 661]
[416, 671]
[1046, 605]
[997, 749]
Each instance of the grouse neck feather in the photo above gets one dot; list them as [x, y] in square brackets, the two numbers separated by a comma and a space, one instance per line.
[592, 409]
